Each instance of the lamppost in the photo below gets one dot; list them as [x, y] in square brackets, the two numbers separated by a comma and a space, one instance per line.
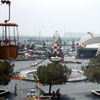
[37, 79]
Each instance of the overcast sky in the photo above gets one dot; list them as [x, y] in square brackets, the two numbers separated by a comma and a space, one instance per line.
[47, 16]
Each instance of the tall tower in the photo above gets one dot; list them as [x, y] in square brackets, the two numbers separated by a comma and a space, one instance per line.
[57, 54]
[56, 44]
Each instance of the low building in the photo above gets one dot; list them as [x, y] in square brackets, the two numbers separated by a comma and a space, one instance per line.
[88, 46]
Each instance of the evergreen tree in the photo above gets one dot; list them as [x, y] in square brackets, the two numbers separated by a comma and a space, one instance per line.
[1, 98]
[92, 71]
[52, 74]
[6, 72]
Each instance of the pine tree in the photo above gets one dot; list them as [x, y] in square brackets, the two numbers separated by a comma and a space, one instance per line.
[6, 72]
[52, 74]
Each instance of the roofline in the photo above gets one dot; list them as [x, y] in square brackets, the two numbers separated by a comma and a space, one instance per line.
[8, 24]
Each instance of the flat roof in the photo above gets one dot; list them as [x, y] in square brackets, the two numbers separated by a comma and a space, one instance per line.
[94, 45]
[8, 24]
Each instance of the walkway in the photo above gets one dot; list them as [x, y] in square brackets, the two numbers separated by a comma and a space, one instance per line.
[76, 75]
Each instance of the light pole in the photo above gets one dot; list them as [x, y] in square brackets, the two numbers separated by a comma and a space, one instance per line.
[38, 89]
[37, 79]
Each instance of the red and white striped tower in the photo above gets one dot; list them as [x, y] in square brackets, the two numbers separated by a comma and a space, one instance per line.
[56, 44]
[56, 48]
[98, 52]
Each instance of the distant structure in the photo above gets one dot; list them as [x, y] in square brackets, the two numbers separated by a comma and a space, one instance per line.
[88, 46]
[98, 52]
[57, 54]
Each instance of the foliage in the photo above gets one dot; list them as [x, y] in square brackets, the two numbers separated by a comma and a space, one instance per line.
[6, 71]
[92, 71]
[2, 98]
[53, 73]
